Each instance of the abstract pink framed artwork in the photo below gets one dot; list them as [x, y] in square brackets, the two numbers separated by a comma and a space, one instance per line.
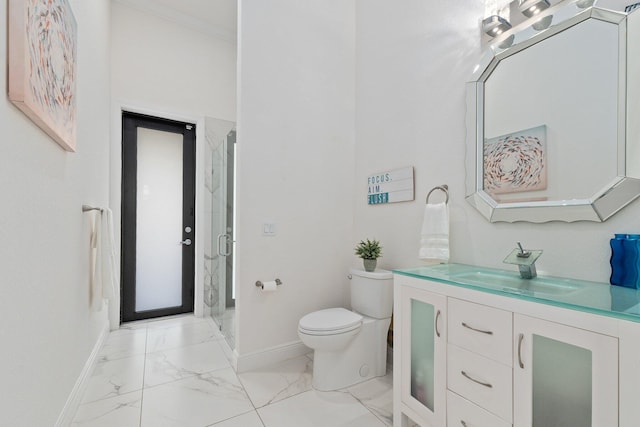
[42, 65]
[516, 162]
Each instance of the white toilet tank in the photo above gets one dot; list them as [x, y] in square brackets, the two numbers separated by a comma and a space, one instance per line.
[372, 293]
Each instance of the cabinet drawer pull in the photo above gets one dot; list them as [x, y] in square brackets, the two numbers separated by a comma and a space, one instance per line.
[464, 374]
[477, 330]
[436, 323]
[520, 338]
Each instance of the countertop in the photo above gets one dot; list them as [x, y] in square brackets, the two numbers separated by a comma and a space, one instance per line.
[592, 297]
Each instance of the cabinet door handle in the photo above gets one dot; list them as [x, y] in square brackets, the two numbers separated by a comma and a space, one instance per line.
[520, 339]
[436, 323]
[463, 423]
[464, 374]
[477, 330]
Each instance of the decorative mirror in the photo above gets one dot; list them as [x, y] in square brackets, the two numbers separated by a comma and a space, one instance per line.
[548, 135]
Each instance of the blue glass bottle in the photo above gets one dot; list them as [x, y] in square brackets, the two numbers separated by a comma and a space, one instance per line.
[631, 258]
[617, 259]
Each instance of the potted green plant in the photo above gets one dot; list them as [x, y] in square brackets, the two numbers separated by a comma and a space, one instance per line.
[369, 251]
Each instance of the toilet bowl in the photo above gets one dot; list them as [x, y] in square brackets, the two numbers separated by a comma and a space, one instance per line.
[350, 345]
[331, 329]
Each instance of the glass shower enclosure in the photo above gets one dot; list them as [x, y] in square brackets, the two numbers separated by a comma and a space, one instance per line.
[219, 297]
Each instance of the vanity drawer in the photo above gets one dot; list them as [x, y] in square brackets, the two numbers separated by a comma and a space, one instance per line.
[461, 412]
[483, 381]
[481, 329]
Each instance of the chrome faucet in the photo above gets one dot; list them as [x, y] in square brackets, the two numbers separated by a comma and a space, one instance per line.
[525, 260]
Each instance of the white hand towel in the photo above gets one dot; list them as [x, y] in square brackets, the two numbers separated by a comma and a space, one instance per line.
[110, 286]
[95, 284]
[434, 241]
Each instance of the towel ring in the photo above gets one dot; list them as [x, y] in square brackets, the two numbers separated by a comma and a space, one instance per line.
[444, 188]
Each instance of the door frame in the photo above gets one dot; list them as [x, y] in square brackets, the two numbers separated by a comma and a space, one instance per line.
[118, 106]
[230, 185]
[128, 235]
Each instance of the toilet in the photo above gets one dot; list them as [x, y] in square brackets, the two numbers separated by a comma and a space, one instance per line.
[350, 346]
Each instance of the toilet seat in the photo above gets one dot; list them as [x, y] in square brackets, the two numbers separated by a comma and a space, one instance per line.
[331, 321]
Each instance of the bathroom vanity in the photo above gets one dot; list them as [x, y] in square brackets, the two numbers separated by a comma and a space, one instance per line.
[482, 347]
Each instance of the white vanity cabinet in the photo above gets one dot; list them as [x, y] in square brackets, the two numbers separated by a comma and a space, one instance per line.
[493, 358]
[564, 376]
[421, 316]
[479, 361]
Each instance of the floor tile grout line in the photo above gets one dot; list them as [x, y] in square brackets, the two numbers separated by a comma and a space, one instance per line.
[184, 346]
[364, 404]
[209, 339]
[368, 409]
[244, 388]
[201, 375]
[260, 417]
[230, 418]
[144, 375]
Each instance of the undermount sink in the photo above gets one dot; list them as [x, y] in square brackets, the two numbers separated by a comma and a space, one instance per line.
[538, 286]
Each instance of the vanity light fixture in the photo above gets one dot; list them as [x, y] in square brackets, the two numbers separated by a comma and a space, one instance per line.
[542, 23]
[530, 8]
[495, 25]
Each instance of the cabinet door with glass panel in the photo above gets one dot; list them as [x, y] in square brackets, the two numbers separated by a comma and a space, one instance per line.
[563, 376]
[423, 354]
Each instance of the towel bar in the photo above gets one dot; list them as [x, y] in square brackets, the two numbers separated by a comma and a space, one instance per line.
[87, 208]
[443, 187]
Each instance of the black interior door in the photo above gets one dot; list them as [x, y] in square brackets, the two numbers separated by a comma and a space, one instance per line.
[158, 217]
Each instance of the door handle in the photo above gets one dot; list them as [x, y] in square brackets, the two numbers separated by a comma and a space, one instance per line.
[467, 376]
[520, 338]
[220, 236]
[227, 249]
[477, 330]
[186, 242]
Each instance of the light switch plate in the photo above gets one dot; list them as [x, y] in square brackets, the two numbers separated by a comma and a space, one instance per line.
[268, 229]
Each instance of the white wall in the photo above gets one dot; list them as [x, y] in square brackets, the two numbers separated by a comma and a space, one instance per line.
[295, 163]
[166, 69]
[412, 65]
[47, 330]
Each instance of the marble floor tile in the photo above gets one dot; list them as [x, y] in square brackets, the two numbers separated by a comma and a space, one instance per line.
[159, 339]
[278, 382]
[377, 395]
[318, 409]
[171, 365]
[250, 419]
[120, 411]
[114, 378]
[123, 343]
[132, 326]
[196, 401]
[172, 321]
[177, 372]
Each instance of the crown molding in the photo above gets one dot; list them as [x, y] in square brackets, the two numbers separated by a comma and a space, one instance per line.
[181, 18]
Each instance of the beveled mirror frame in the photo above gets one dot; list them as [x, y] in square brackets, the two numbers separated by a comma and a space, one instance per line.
[625, 187]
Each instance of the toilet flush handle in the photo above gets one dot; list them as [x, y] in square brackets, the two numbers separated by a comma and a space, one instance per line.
[349, 277]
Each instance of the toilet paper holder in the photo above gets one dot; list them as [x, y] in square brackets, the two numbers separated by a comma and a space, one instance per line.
[260, 285]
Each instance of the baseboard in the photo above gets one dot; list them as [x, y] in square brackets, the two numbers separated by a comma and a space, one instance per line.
[73, 401]
[270, 356]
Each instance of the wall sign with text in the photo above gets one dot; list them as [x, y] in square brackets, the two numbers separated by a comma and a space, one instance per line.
[390, 187]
